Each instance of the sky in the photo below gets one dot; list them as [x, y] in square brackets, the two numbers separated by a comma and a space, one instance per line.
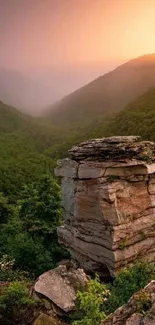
[73, 41]
[44, 33]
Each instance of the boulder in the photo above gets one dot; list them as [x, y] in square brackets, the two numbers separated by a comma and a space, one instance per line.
[44, 319]
[60, 286]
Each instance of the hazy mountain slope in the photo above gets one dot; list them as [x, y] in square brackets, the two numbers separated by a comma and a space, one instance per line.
[63, 80]
[23, 92]
[37, 88]
[11, 119]
[109, 93]
[137, 118]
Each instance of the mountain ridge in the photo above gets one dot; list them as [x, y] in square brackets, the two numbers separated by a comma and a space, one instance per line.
[108, 93]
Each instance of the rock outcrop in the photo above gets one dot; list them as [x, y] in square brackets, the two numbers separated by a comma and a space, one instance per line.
[108, 196]
[140, 310]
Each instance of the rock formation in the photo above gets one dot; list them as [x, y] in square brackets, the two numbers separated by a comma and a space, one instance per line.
[140, 310]
[108, 196]
[60, 286]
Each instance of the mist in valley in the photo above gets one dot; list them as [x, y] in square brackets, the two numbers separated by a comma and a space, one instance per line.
[35, 89]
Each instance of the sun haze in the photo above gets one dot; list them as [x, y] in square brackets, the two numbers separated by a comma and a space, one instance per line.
[72, 32]
[50, 48]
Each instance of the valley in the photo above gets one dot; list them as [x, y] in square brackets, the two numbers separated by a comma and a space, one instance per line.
[121, 102]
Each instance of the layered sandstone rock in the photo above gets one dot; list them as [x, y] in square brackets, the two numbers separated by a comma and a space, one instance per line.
[108, 196]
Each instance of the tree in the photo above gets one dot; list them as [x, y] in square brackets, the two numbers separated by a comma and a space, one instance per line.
[6, 210]
[40, 207]
[30, 236]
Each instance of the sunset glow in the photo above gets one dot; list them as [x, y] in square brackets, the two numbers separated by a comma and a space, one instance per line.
[73, 32]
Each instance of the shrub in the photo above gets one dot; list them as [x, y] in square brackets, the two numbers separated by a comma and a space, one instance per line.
[98, 301]
[143, 301]
[89, 304]
[16, 307]
[128, 281]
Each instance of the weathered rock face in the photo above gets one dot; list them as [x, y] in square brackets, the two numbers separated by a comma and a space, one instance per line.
[140, 310]
[108, 195]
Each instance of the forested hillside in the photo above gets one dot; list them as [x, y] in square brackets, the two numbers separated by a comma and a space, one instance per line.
[30, 207]
[30, 147]
[30, 202]
[138, 118]
[107, 94]
[22, 142]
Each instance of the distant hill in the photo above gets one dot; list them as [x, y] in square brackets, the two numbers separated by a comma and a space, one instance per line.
[137, 118]
[11, 119]
[37, 88]
[107, 94]
[26, 94]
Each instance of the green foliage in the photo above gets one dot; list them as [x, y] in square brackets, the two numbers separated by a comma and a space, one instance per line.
[23, 141]
[30, 203]
[6, 210]
[128, 281]
[16, 307]
[98, 300]
[137, 118]
[40, 207]
[30, 254]
[143, 301]
[30, 235]
[89, 304]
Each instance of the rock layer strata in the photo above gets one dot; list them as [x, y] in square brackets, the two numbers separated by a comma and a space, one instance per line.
[108, 196]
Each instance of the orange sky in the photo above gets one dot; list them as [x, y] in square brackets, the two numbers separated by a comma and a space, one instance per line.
[73, 32]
